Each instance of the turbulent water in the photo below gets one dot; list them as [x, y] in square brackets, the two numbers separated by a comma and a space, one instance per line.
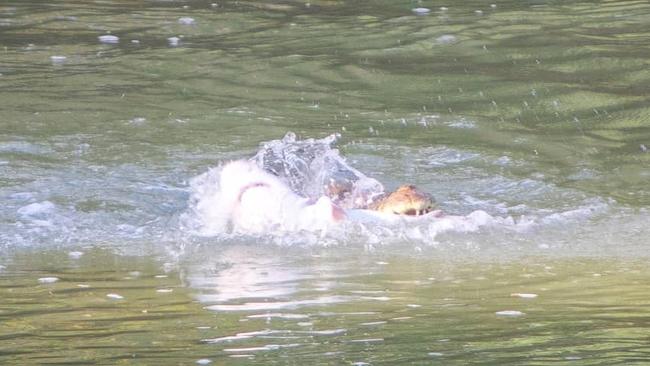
[115, 117]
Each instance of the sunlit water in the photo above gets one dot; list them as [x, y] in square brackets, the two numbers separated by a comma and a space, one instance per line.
[533, 112]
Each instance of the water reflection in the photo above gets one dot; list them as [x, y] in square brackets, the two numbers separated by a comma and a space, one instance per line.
[243, 278]
[239, 273]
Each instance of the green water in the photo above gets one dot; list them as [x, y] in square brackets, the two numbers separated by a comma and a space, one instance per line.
[533, 111]
[372, 308]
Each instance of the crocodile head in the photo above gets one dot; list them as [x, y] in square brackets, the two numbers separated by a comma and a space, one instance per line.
[406, 200]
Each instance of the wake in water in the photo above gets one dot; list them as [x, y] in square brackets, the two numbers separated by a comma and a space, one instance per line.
[287, 187]
[127, 205]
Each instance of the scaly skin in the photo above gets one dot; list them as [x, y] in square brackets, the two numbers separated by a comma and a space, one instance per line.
[406, 200]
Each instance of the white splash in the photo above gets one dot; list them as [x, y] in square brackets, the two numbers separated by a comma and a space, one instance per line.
[243, 197]
[37, 209]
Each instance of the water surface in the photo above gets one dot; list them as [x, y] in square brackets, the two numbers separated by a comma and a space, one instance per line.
[535, 112]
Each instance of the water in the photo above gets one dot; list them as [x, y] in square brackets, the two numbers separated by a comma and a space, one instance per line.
[533, 112]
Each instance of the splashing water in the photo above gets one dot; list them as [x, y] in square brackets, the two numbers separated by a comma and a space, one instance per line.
[312, 168]
[286, 188]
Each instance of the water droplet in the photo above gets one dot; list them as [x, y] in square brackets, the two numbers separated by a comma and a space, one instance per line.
[421, 11]
[109, 39]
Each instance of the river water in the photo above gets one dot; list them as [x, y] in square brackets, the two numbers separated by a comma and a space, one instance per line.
[535, 112]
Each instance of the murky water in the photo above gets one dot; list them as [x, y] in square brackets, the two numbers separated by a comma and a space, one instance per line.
[534, 112]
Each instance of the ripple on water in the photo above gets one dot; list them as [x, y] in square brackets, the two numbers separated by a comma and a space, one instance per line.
[174, 41]
[278, 315]
[57, 60]
[509, 313]
[109, 39]
[75, 254]
[275, 333]
[277, 305]
[186, 21]
[48, 279]
[22, 147]
[447, 39]
[421, 11]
